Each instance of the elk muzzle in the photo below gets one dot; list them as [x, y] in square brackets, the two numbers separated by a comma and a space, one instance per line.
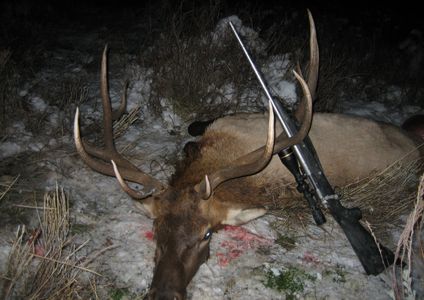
[169, 280]
[179, 254]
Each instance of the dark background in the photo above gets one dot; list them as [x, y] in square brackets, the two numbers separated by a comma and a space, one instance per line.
[365, 37]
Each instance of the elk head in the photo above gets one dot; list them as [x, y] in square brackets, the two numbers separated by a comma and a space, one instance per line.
[185, 218]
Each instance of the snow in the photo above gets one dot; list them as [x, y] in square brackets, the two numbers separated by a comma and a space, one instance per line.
[381, 112]
[275, 69]
[9, 149]
[38, 104]
[239, 256]
[17, 139]
[250, 36]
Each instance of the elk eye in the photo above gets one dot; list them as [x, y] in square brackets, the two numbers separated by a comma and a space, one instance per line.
[208, 235]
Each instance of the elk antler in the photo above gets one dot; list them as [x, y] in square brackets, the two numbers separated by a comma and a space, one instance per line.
[100, 159]
[258, 159]
[312, 72]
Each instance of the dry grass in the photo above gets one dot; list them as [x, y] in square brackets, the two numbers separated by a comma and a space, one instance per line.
[407, 252]
[193, 72]
[62, 96]
[45, 263]
[19, 259]
[122, 125]
[66, 96]
[335, 79]
[386, 196]
[6, 185]
[72, 93]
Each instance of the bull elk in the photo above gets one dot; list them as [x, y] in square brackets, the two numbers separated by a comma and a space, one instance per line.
[224, 180]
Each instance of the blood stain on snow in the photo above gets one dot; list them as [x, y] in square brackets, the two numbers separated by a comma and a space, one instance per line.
[240, 241]
[149, 235]
[310, 258]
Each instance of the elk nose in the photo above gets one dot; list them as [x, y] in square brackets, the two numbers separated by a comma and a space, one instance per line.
[178, 296]
[154, 294]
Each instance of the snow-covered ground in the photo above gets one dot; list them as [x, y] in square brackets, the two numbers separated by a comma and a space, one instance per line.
[240, 257]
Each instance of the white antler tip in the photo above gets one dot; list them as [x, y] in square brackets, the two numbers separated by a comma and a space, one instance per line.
[115, 168]
[76, 125]
[208, 188]
[117, 174]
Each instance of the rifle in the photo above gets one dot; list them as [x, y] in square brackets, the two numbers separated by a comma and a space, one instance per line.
[303, 162]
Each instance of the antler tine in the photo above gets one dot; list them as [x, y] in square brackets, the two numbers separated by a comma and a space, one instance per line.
[99, 165]
[110, 151]
[131, 192]
[99, 159]
[282, 141]
[107, 107]
[256, 160]
[313, 57]
[313, 68]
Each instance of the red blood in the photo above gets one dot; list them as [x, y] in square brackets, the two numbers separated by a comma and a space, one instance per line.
[240, 240]
[223, 261]
[310, 258]
[149, 235]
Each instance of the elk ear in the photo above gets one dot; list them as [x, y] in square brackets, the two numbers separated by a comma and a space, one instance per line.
[227, 213]
[239, 216]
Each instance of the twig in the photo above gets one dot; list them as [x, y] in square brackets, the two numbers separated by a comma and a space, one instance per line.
[100, 252]
[67, 264]
[9, 187]
[376, 242]
[94, 288]
[33, 207]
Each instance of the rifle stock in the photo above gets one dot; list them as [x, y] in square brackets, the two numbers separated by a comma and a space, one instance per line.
[374, 257]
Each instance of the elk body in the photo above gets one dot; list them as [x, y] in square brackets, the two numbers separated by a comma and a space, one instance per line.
[349, 147]
[226, 179]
